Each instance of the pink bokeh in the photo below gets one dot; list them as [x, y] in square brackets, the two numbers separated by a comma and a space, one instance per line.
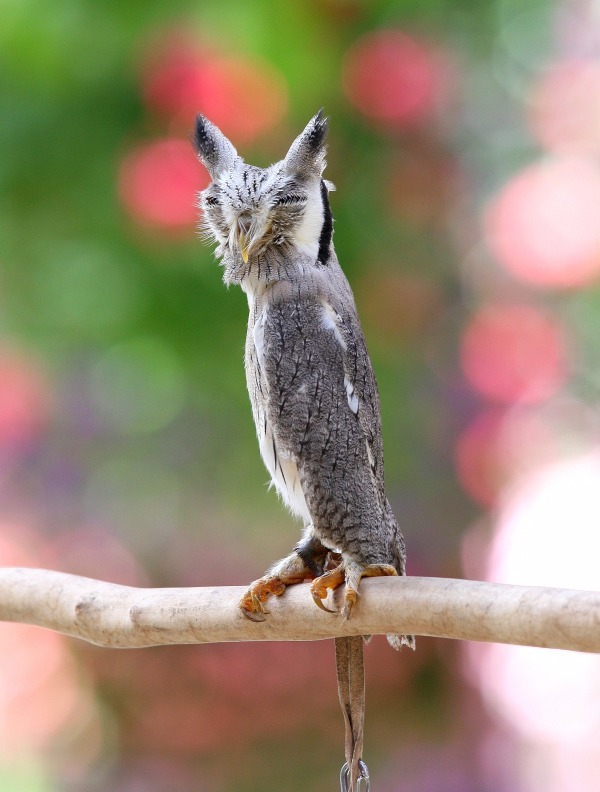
[394, 79]
[564, 107]
[498, 447]
[545, 533]
[46, 696]
[158, 183]
[25, 399]
[243, 94]
[513, 353]
[544, 225]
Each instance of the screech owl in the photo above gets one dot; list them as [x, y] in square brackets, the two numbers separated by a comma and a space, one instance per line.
[312, 388]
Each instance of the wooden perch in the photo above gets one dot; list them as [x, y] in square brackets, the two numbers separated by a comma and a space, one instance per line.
[125, 617]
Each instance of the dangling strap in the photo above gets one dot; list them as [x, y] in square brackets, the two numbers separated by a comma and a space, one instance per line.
[351, 691]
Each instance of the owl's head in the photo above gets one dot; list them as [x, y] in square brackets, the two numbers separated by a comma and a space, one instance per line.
[266, 213]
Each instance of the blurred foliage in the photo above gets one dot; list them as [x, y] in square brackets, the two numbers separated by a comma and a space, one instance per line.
[128, 452]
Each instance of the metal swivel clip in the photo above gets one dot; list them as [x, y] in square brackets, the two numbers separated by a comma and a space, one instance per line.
[364, 783]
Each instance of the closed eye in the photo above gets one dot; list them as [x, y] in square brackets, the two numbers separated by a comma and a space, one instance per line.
[211, 200]
[290, 198]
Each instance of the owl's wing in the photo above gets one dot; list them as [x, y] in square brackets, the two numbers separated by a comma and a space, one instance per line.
[323, 411]
[360, 383]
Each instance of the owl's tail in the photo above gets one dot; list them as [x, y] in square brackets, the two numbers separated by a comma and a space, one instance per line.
[398, 641]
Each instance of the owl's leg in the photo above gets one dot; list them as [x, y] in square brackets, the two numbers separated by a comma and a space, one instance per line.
[350, 573]
[354, 573]
[306, 562]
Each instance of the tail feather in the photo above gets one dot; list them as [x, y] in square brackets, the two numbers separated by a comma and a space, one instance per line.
[398, 641]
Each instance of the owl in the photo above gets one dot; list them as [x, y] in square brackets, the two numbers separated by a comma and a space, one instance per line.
[311, 384]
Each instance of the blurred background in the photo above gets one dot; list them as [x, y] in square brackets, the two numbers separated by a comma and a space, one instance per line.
[465, 146]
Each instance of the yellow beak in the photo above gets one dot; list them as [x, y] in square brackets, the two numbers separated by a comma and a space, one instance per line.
[244, 249]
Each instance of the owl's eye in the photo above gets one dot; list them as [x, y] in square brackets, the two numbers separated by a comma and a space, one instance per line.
[211, 200]
[289, 199]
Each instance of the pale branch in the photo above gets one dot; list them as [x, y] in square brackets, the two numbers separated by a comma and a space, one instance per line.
[125, 617]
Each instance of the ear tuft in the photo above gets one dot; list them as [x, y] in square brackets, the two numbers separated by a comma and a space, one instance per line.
[214, 150]
[203, 141]
[317, 131]
[306, 156]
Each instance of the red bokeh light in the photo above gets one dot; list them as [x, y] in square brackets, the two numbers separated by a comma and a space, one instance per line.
[544, 226]
[244, 96]
[497, 448]
[158, 183]
[24, 399]
[565, 108]
[478, 468]
[393, 78]
[513, 353]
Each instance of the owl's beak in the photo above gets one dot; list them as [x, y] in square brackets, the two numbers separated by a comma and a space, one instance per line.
[244, 246]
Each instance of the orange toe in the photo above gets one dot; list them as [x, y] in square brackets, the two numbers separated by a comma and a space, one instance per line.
[320, 586]
[252, 603]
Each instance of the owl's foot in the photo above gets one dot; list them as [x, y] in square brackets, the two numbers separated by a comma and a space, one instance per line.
[287, 572]
[351, 574]
[325, 583]
[252, 603]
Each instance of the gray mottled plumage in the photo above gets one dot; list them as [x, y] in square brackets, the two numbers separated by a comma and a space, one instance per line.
[311, 384]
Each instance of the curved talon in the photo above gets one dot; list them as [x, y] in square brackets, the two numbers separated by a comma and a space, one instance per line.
[253, 617]
[321, 585]
[257, 603]
[252, 607]
[349, 602]
[318, 601]
[252, 603]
